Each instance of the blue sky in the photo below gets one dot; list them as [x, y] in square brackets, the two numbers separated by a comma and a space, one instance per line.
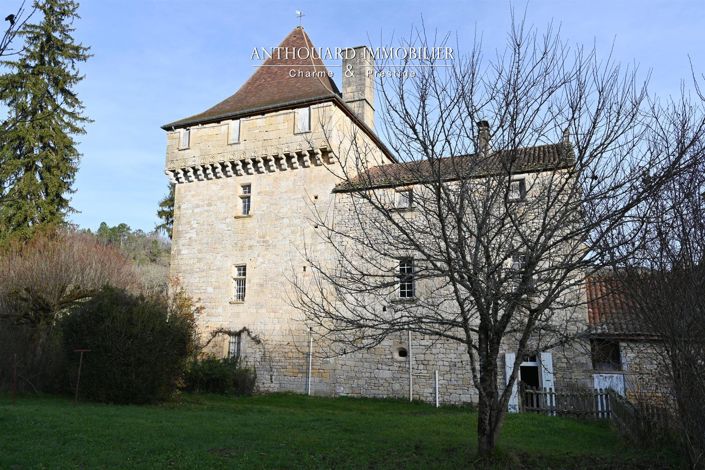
[156, 61]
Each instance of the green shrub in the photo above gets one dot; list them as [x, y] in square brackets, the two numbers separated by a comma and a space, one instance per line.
[138, 349]
[224, 376]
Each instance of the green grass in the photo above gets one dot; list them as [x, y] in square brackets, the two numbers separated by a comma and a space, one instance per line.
[290, 431]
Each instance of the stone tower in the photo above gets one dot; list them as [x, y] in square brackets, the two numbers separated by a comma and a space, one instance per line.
[248, 171]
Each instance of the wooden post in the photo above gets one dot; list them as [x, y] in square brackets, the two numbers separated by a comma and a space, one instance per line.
[14, 380]
[80, 365]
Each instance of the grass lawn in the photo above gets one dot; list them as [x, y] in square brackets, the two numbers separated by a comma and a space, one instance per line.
[291, 431]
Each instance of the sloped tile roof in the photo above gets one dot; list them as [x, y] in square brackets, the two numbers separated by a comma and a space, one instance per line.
[272, 87]
[522, 160]
[609, 312]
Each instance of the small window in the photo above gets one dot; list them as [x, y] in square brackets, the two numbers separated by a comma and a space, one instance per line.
[184, 139]
[517, 190]
[246, 198]
[303, 120]
[406, 278]
[606, 355]
[402, 353]
[240, 283]
[234, 346]
[404, 199]
[234, 132]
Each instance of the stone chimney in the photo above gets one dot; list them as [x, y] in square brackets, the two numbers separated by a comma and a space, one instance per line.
[483, 137]
[359, 83]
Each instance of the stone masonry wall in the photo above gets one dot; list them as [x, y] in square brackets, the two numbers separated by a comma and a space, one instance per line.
[210, 239]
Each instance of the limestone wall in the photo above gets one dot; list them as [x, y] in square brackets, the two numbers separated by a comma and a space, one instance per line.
[288, 181]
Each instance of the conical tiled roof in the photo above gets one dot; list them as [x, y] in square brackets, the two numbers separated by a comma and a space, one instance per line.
[271, 86]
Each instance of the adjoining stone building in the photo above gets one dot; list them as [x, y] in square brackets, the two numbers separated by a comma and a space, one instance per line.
[627, 355]
[247, 173]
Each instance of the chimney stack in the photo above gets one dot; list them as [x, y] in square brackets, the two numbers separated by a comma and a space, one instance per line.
[483, 137]
[359, 83]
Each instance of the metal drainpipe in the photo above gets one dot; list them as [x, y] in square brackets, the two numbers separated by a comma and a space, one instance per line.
[310, 360]
[411, 365]
[435, 376]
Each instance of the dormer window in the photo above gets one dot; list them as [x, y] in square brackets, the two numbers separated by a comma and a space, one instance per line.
[234, 132]
[302, 120]
[184, 139]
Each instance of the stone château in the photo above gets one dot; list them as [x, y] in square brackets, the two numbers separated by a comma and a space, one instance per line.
[247, 173]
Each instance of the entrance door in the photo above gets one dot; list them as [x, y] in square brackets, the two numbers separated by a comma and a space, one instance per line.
[535, 371]
[529, 371]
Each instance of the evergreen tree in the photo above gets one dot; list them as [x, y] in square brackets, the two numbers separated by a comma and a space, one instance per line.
[38, 154]
[166, 212]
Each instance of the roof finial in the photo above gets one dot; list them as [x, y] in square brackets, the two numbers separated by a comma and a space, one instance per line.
[299, 15]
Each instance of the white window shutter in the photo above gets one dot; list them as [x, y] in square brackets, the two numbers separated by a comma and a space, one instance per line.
[547, 371]
[303, 120]
[234, 132]
[513, 406]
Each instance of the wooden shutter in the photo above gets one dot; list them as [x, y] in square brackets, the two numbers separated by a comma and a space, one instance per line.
[547, 370]
[513, 406]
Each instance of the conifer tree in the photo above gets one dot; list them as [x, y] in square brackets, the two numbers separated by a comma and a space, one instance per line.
[166, 212]
[38, 154]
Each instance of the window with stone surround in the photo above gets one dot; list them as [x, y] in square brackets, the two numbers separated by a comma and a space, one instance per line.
[234, 132]
[302, 120]
[184, 139]
[246, 199]
[406, 278]
[234, 346]
[606, 355]
[240, 282]
[404, 198]
[517, 190]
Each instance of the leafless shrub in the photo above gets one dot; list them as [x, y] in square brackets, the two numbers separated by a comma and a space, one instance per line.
[39, 282]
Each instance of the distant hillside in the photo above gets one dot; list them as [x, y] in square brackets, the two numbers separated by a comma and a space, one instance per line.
[148, 251]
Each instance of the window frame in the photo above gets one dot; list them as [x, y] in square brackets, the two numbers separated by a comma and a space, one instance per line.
[409, 199]
[185, 132]
[406, 286]
[231, 126]
[239, 296]
[602, 355]
[522, 190]
[235, 346]
[245, 199]
[297, 116]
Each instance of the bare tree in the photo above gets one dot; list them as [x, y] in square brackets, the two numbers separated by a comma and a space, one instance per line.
[42, 279]
[664, 279]
[514, 176]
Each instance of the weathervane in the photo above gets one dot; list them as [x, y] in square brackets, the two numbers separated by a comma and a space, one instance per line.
[299, 14]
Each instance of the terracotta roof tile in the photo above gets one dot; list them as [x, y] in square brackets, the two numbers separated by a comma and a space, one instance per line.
[522, 160]
[609, 312]
[271, 86]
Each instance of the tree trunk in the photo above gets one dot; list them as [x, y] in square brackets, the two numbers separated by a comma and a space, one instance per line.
[489, 416]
